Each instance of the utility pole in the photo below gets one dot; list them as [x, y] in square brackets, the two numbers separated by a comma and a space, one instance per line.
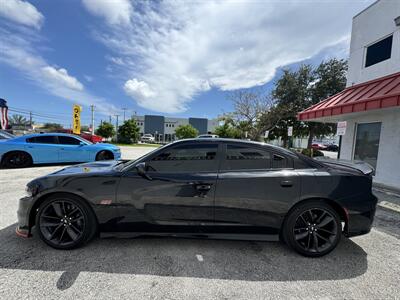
[124, 109]
[92, 109]
[110, 120]
[30, 119]
[116, 127]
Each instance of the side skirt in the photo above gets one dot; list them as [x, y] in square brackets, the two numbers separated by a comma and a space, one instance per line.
[216, 236]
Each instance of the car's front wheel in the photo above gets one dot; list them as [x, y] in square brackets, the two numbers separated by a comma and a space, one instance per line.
[65, 222]
[312, 229]
[104, 155]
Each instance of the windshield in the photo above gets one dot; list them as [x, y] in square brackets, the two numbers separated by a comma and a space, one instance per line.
[84, 140]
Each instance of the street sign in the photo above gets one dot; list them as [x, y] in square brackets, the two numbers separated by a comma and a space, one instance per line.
[76, 119]
[266, 134]
[290, 131]
[341, 128]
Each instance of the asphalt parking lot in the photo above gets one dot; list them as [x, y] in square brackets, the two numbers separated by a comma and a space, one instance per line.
[167, 268]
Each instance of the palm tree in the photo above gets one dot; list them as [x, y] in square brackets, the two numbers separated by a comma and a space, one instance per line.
[18, 120]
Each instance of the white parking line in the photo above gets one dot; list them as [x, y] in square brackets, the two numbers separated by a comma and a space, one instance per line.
[389, 205]
[199, 257]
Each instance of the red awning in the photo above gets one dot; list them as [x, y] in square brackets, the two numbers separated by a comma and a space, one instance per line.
[375, 94]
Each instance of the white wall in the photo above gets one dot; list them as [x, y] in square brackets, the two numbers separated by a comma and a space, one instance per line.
[176, 121]
[371, 25]
[388, 163]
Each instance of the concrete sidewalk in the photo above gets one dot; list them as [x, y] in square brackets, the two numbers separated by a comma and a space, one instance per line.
[387, 198]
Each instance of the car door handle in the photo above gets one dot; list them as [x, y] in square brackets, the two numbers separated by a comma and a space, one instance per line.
[286, 183]
[203, 187]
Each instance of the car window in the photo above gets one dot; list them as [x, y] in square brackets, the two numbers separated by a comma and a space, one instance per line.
[46, 139]
[246, 157]
[68, 140]
[279, 162]
[185, 158]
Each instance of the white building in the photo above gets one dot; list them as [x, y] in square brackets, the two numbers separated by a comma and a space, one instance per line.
[371, 102]
[163, 128]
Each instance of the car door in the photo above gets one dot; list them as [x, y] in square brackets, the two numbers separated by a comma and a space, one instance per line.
[72, 150]
[255, 187]
[178, 193]
[43, 149]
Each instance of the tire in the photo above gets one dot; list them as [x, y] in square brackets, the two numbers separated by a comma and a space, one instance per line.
[65, 221]
[17, 159]
[312, 229]
[104, 155]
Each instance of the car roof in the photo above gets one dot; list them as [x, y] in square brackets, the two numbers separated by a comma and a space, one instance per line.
[46, 134]
[244, 142]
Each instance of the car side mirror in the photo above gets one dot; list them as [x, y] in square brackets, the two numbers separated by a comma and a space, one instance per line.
[82, 144]
[141, 170]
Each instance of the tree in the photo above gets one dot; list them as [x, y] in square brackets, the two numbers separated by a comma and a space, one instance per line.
[18, 120]
[128, 132]
[52, 126]
[229, 129]
[331, 79]
[106, 130]
[249, 106]
[297, 90]
[85, 128]
[186, 132]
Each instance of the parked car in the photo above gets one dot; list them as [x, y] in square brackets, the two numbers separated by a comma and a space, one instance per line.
[86, 135]
[216, 188]
[32, 149]
[318, 146]
[4, 135]
[332, 147]
[147, 138]
[208, 136]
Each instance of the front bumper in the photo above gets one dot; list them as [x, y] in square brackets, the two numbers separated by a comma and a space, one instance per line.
[24, 226]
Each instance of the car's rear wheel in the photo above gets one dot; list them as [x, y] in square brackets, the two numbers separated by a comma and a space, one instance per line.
[104, 155]
[65, 222]
[17, 159]
[312, 229]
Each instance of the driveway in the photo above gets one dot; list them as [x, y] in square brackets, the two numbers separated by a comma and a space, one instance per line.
[365, 267]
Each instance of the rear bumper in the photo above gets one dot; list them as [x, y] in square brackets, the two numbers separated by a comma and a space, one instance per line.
[360, 222]
[23, 228]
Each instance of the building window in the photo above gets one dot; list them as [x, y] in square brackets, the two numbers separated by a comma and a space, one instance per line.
[379, 51]
[367, 142]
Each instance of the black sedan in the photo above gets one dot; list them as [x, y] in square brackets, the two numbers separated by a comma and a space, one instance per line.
[216, 188]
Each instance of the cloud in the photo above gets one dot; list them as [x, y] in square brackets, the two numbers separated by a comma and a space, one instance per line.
[115, 11]
[18, 52]
[61, 77]
[172, 51]
[21, 12]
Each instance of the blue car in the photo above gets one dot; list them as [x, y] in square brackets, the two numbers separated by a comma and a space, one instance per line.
[47, 148]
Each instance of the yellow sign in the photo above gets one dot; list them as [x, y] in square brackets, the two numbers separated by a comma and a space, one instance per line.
[76, 119]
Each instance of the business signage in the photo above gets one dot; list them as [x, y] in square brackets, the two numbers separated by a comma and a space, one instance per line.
[76, 119]
[341, 128]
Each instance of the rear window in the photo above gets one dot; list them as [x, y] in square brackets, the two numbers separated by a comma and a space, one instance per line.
[246, 158]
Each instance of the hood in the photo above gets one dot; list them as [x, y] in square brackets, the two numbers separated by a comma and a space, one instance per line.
[358, 165]
[89, 168]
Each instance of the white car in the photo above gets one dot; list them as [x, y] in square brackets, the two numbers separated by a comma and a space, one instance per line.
[147, 138]
[208, 136]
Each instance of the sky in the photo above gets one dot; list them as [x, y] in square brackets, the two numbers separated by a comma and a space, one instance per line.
[172, 58]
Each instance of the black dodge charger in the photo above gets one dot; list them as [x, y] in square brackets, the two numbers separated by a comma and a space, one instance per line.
[217, 188]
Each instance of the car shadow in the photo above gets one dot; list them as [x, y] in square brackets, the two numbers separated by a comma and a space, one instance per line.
[221, 259]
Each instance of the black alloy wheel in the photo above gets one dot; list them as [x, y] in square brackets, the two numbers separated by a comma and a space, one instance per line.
[104, 155]
[17, 159]
[64, 223]
[313, 229]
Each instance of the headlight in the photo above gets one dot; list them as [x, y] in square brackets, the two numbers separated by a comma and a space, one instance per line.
[31, 190]
[28, 191]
